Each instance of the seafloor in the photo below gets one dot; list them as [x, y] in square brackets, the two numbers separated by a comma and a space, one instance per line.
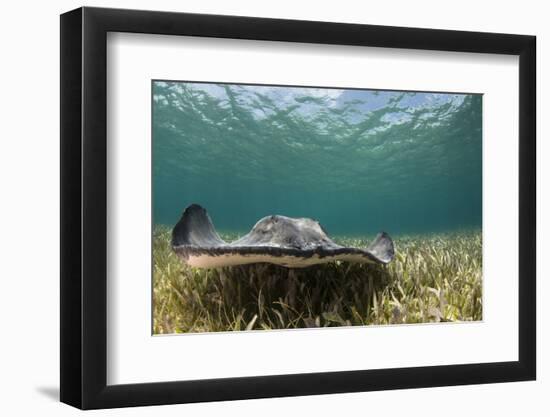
[433, 278]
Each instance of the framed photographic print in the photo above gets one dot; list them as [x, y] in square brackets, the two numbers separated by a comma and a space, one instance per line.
[257, 207]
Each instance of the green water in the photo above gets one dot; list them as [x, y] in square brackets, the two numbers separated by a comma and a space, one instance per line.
[359, 161]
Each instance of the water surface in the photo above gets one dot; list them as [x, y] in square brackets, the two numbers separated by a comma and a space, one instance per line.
[359, 161]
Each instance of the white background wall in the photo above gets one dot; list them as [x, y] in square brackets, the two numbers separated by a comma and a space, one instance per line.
[29, 177]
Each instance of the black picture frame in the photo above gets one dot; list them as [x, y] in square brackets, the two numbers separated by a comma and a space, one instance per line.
[84, 207]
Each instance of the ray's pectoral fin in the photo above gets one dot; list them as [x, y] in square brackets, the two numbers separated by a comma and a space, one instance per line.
[195, 229]
[382, 247]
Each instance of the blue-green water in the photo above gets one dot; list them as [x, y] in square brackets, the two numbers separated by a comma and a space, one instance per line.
[359, 161]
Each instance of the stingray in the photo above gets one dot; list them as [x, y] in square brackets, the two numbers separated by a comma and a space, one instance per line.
[281, 240]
